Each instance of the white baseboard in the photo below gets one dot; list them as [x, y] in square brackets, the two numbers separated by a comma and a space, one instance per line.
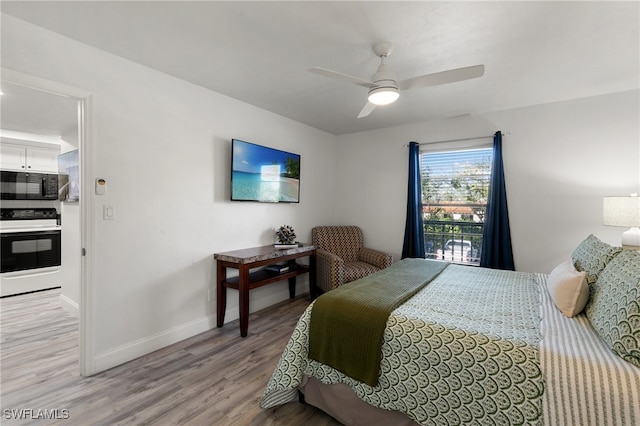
[70, 306]
[146, 345]
[140, 347]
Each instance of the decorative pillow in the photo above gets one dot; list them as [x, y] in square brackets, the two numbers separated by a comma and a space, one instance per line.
[592, 255]
[614, 308]
[568, 288]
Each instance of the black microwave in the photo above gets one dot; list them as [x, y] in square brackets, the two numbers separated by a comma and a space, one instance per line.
[28, 186]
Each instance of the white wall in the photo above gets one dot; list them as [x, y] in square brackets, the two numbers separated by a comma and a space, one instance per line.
[163, 146]
[71, 240]
[560, 160]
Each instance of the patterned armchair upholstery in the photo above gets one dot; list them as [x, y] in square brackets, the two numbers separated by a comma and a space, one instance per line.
[341, 256]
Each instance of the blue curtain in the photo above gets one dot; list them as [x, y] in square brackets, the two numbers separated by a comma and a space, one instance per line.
[496, 238]
[413, 231]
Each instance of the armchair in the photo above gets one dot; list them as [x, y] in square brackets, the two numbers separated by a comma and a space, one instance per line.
[341, 256]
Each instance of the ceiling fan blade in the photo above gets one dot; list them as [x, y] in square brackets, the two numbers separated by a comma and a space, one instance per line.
[340, 76]
[444, 77]
[367, 109]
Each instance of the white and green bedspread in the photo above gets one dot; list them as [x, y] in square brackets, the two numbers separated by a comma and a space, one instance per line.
[463, 350]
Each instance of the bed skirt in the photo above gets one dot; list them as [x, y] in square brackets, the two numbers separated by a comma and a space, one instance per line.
[341, 403]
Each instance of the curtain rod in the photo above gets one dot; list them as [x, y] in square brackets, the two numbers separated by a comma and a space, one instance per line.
[463, 139]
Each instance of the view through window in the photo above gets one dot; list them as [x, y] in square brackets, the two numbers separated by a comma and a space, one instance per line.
[455, 189]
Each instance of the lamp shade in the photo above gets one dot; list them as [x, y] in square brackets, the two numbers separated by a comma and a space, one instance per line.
[621, 211]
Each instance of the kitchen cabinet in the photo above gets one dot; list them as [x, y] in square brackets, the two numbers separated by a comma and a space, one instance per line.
[31, 159]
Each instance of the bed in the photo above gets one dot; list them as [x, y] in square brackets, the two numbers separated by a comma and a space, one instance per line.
[478, 346]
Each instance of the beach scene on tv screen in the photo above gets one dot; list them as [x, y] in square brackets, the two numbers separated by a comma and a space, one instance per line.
[264, 174]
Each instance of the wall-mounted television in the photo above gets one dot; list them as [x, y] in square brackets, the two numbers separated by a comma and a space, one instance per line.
[260, 173]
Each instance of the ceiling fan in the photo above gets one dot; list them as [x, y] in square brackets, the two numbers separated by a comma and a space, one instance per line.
[383, 87]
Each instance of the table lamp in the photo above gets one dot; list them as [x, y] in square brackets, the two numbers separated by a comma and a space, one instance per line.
[625, 212]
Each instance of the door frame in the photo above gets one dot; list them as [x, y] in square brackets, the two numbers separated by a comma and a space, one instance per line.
[86, 140]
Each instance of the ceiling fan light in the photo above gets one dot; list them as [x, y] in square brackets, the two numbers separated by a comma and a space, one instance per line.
[383, 95]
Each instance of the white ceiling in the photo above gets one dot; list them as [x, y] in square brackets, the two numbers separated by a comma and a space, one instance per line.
[259, 52]
[26, 110]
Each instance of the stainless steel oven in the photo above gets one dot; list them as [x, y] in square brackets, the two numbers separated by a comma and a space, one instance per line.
[31, 239]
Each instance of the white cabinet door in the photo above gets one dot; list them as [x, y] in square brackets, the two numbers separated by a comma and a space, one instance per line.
[12, 157]
[21, 158]
[42, 160]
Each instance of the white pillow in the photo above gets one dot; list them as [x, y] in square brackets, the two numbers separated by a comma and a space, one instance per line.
[568, 288]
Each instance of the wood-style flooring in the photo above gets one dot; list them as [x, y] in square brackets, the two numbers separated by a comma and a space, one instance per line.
[214, 378]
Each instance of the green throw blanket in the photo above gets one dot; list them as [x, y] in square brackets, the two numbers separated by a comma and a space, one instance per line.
[353, 317]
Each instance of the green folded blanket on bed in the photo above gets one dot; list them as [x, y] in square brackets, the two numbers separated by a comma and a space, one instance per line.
[347, 324]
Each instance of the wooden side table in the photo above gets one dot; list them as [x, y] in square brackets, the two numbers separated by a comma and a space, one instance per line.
[246, 259]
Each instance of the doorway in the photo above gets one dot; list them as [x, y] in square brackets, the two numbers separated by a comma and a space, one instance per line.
[74, 128]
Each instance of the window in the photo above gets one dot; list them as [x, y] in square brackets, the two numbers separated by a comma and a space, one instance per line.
[455, 188]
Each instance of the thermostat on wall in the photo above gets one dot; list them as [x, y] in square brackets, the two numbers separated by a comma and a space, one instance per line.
[101, 186]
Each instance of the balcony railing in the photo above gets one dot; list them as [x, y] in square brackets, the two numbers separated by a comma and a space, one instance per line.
[454, 241]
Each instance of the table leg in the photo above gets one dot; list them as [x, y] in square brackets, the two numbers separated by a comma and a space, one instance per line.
[221, 293]
[243, 290]
[292, 287]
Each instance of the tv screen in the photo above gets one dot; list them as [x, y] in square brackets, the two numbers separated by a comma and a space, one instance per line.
[263, 174]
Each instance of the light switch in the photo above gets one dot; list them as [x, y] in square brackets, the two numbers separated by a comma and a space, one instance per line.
[108, 212]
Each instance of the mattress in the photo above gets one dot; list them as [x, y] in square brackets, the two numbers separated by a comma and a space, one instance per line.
[507, 356]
